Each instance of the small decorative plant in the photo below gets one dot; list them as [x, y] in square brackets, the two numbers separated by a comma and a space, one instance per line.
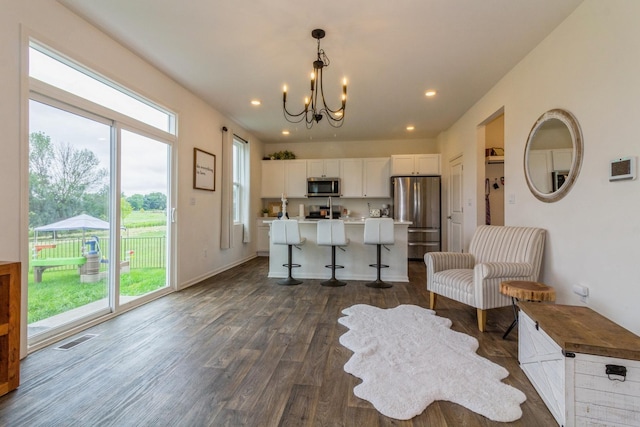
[265, 211]
[282, 155]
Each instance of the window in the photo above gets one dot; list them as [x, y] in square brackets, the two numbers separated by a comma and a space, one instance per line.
[46, 66]
[240, 179]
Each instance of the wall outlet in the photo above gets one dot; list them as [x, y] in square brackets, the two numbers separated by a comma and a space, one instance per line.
[204, 252]
[582, 291]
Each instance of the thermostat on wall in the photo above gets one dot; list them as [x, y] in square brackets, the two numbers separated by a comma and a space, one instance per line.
[624, 168]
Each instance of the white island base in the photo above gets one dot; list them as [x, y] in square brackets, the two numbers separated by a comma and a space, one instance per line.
[355, 258]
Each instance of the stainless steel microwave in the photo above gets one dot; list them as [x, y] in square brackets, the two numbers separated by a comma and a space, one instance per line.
[323, 187]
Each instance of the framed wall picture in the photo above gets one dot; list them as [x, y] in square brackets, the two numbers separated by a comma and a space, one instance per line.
[204, 170]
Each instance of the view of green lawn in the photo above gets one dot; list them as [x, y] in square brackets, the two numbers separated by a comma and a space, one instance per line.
[61, 289]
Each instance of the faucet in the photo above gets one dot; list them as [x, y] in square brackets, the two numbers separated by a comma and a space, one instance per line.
[330, 209]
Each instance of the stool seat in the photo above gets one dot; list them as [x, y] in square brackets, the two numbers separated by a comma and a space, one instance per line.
[331, 232]
[379, 232]
[287, 232]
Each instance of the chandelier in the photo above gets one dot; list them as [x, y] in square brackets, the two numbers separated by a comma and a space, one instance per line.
[315, 106]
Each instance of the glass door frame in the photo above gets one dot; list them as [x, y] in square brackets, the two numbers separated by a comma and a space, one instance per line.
[44, 93]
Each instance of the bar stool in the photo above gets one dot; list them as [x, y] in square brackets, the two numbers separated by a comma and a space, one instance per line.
[287, 232]
[379, 232]
[331, 232]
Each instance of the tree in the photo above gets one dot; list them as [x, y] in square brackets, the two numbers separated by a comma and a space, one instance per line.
[155, 201]
[136, 201]
[60, 176]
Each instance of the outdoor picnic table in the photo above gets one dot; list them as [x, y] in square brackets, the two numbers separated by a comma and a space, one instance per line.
[40, 265]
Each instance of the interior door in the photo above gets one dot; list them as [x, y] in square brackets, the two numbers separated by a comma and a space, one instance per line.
[455, 215]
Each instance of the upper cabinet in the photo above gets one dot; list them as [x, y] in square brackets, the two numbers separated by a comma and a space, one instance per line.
[323, 168]
[368, 177]
[365, 177]
[415, 164]
[376, 182]
[284, 177]
[351, 178]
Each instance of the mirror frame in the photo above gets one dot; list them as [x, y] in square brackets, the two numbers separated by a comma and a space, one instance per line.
[576, 162]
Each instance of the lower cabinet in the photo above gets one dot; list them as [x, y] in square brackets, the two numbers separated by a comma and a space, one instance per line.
[599, 385]
[262, 237]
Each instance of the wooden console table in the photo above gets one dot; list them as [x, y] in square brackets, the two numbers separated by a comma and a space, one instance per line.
[585, 367]
[9, 326]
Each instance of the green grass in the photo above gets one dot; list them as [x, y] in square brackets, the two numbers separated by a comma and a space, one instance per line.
[61, 290]
[138, 219]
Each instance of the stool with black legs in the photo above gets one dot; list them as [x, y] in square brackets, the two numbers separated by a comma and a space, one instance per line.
[287, 232]
[331, 232]
[379, 232]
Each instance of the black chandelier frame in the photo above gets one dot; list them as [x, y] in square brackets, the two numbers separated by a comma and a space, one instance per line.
[315, 106]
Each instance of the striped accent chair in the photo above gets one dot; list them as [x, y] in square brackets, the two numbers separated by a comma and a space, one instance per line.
[496, 254]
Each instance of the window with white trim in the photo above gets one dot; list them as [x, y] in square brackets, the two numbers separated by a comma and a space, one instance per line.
[240, 179]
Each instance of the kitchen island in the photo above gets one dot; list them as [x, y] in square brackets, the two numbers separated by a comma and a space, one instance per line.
[355, 258]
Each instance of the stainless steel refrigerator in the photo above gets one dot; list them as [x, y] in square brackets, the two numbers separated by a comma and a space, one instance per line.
[417, 199]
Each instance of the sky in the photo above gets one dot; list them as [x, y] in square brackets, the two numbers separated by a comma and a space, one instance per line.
[144, 161]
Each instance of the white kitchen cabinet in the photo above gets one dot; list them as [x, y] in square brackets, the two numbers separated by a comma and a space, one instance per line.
[262, 237]
[585, 368]
[376, 177]
[323, 168]
[367, 177]
[415, 164]
[351, 178]
[284, 176]
[295, 180]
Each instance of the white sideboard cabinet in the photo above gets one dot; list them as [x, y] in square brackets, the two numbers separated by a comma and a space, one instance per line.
[585, 368]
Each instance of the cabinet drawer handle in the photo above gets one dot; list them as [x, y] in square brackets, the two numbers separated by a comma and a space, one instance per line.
[616, 370]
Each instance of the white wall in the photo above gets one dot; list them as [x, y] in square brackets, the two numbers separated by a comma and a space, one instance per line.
[589, 66]
[199, 126]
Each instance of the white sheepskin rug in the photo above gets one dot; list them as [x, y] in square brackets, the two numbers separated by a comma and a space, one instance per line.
[407, 357]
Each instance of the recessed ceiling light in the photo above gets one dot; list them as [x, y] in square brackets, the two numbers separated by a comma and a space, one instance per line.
[255, 102]
[410, 128]
[430, 93]
[285, 132]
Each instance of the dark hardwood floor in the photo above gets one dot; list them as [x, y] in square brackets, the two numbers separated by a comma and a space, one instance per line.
[240, 350]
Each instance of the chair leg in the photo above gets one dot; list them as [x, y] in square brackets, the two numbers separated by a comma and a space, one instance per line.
[482, 319]
[432, 300]
[290, 281]
[379, 283]
[333, 282]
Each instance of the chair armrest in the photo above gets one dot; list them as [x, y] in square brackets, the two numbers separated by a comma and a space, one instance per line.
[512, 270]
[440, 261]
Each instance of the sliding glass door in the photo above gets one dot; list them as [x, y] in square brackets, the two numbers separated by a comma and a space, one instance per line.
[145, 217]
[69, 205]
[99, 196]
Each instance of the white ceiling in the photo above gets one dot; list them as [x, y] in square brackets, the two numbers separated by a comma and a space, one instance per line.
[230, 52]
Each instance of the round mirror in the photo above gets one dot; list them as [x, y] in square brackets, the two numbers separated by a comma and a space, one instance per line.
[553, 155]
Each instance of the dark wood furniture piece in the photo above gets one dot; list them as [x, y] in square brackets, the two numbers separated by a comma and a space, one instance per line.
[9, 326]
